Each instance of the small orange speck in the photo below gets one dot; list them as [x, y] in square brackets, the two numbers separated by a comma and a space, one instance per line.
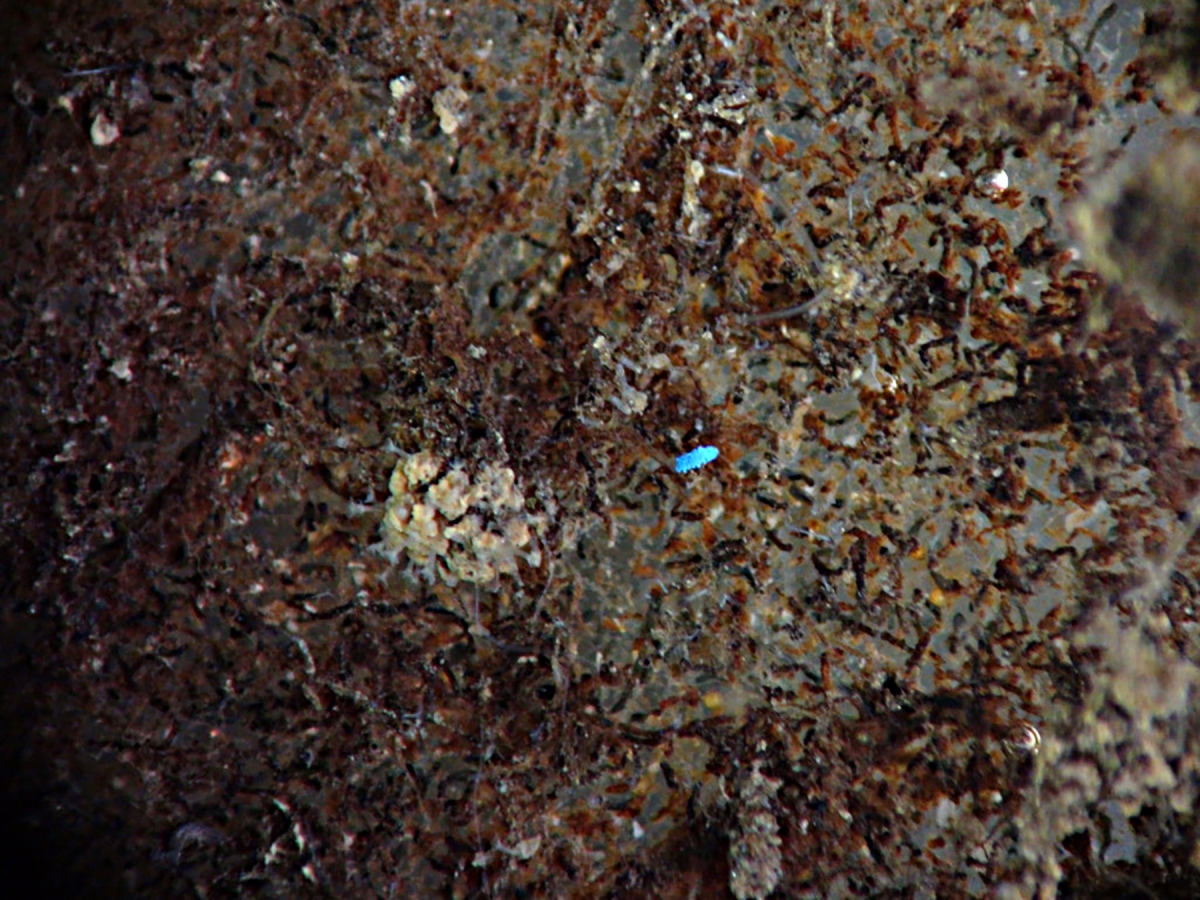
[713, 701]
[231, 457]
[782, 146]
[937, 597]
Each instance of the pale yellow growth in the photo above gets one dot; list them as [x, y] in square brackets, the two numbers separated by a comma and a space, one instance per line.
[420, 468]
[452, 495]
[456, 527]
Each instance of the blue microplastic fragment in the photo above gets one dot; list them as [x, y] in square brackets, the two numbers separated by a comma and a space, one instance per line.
[694, 459]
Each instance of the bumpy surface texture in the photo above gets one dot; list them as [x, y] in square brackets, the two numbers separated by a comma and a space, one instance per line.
[348, 350]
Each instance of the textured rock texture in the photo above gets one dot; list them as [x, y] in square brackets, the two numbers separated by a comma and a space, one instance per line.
[347, 350]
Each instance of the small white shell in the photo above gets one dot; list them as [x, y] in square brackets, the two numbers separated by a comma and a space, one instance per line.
[1025, 740]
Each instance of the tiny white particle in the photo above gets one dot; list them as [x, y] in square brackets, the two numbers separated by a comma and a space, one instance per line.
[995, 181]
[104, 131]
[121, 369]
[401, 87]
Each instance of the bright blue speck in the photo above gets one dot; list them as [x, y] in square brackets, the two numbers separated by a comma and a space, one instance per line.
[694, 459]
